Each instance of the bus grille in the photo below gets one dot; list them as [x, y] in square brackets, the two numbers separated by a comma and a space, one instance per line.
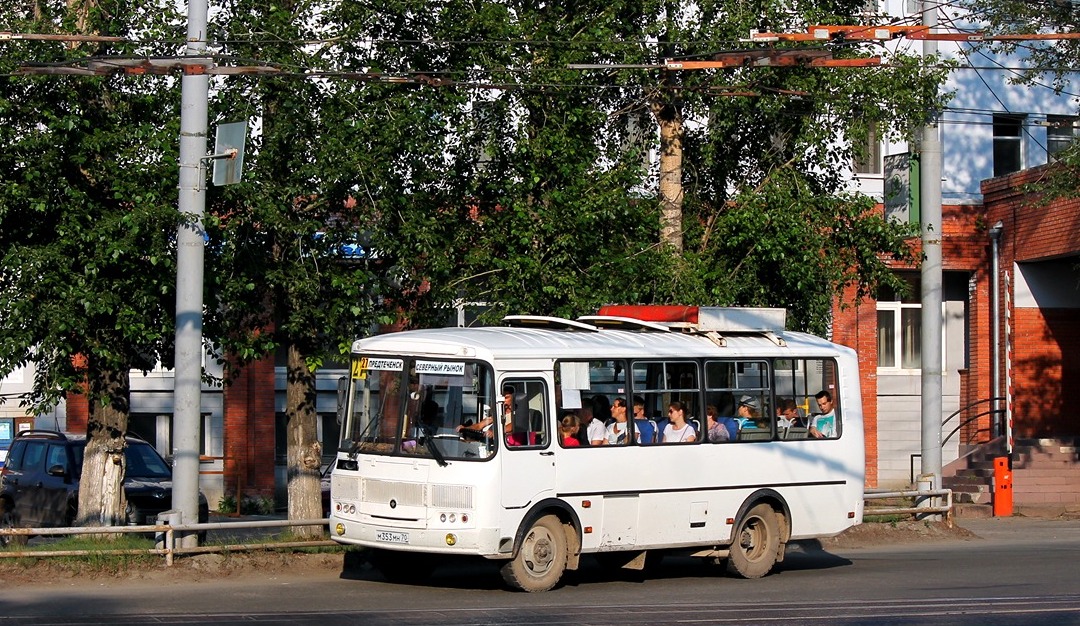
[451, 497]
[345, 487]
[458, 497]
[382, 491]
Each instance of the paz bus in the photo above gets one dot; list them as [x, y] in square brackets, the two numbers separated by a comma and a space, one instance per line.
[450, 443]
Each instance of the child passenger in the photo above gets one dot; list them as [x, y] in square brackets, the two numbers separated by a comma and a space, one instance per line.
[568, 429]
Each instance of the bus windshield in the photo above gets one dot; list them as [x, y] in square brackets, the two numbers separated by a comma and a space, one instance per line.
[420, 407]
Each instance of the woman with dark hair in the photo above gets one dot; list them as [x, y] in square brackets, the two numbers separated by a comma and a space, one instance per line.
[678, 429]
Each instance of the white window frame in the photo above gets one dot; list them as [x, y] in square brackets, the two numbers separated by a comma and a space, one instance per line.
[897, 307]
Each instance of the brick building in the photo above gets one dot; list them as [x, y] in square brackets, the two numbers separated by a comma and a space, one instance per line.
[1039, 313]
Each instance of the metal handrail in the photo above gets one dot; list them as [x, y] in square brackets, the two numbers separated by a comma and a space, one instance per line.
[927, 495]
[970, 419]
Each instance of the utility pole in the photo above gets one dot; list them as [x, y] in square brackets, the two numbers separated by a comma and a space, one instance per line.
[187, 386]
[930, 226]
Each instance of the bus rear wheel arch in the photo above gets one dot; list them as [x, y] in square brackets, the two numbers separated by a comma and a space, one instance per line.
[541, 557]
[757, 543]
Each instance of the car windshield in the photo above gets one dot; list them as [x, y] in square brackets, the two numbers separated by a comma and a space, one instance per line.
[143, 461]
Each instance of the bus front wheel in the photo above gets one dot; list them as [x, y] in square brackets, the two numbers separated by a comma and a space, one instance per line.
[757, 541]
[541, 558]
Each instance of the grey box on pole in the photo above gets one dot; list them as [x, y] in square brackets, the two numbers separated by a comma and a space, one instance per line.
[228, 168]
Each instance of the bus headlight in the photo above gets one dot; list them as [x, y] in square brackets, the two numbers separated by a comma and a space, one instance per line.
[451, 539]
[339, 528]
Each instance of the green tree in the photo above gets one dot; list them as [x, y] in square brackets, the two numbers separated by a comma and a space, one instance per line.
[285, 266]
[551, 203]
[87, 218]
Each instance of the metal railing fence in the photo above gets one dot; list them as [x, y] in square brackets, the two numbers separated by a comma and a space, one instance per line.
[927, 502]
[167, 538]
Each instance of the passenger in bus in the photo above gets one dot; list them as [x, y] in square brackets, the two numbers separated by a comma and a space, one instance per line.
[749, 413]
[569, 426]
[602, 409]
[594, 429]
[616, 432]
[645, 427]
[486, 424]
[823, 424]
[787, 413]
[584, 415]
[719, 431]
[678, 429]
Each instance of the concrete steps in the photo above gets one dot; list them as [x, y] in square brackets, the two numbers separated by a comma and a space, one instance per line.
[1045, 472]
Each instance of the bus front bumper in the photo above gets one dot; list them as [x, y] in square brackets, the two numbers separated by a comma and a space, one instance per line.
[472, 541]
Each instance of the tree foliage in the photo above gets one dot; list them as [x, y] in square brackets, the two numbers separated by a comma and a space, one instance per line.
[453, 143]
[548, 198]
[287, 266]
[87, 219]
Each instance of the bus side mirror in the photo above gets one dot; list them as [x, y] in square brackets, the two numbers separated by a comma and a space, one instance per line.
[342, 387]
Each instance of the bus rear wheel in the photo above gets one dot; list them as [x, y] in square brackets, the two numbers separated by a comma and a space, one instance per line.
[541, 558]
[757, 541]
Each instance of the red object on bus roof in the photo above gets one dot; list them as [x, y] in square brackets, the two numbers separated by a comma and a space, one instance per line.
[652, 312]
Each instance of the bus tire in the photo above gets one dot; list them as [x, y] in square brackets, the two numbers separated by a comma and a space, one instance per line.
[541, 559]
[756, 543]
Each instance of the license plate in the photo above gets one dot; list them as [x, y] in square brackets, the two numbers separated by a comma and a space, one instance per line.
[391, 537]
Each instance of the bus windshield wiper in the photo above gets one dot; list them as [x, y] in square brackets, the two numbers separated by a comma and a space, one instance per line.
[429, 441]
[354, 449]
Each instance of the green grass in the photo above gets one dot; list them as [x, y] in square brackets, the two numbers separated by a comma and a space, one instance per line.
[95, 557]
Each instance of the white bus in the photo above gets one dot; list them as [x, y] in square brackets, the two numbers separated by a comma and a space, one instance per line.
[451, 445]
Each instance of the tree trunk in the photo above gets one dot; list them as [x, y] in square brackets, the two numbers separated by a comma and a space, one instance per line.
[101, 486]
[304, 449]
[669, 118]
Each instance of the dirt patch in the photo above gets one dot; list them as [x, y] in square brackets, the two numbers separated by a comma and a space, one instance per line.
[197, 568]
[876, 534]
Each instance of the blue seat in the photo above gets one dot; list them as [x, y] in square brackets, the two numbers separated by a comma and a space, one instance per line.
[646, 430]
[732, 426]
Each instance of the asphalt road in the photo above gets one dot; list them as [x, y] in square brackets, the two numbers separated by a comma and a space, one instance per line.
[1017, 572]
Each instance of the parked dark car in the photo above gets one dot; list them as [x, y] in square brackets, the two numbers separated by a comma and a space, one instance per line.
[39, 484]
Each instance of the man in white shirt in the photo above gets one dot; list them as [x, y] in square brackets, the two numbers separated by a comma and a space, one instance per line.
[595, 430]
[615, 435]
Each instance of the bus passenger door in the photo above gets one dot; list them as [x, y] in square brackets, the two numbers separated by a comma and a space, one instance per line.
[528, 442]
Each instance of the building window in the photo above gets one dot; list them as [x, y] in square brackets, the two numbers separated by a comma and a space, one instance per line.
[899, 321]
[899, 336]
[1008, 143]
[870, 161]
[1060, 133]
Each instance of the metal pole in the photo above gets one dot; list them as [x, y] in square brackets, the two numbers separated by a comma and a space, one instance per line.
[995, 330]
[187, 386]
[930, 190]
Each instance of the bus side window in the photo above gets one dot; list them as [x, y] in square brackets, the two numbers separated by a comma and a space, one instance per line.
[525, 422]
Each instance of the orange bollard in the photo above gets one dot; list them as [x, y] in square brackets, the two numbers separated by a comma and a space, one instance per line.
[1003, 487]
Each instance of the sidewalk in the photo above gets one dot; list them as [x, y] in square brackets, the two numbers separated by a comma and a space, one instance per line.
[1023, 527]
